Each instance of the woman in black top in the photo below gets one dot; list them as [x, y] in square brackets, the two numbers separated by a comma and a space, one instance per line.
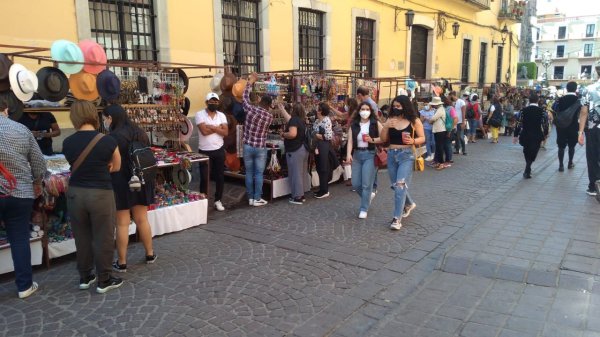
[295, 152]
[129, 203]
[90, 198]
[44, 127]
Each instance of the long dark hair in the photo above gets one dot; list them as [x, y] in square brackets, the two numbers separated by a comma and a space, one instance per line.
[446, 100]
[122, 124]
[298, 111]
[356, 116]
[408, 110]
[325, 110]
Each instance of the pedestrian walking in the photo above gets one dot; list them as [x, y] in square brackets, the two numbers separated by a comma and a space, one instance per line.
[363, 134]
[22, 168]
[90, 198]
[567, 125]
[130, 204]
[589, 133]
[450, 122]
[439, 132]
[403, 130]
[494, 118]
[473, 115]
[295, 152]
[257, 124]
[212, 127]
[460, 106]
[530, 132]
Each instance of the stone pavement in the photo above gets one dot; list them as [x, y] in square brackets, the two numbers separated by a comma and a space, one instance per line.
[484, 254]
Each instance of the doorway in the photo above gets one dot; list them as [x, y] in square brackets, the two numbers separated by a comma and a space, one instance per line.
[418, 52]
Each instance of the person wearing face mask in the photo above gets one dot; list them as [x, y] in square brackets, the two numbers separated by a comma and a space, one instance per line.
[212, 125]
[129, 204]
[363, 134]
[426, 113]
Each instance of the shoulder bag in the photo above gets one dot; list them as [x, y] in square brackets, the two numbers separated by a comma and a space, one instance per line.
[419, 161]
[85, 153]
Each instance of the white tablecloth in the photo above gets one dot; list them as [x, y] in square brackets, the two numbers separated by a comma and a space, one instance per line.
[6, 263]
[178, 217]
[282, 187]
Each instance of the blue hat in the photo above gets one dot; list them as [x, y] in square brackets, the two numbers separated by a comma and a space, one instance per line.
[63, 50]
[109, 85]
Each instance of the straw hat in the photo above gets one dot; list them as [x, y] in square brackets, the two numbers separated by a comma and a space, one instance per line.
[67, 51]
[436, 101]
[83, 86]
[93, 53]
[53, 84]
[23, 82]
[238, 89]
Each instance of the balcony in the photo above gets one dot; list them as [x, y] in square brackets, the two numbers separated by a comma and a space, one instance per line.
[512, 11]
[478, 5]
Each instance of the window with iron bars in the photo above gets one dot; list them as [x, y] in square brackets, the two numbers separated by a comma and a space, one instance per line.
[365, 40]
[482, 63]
[466, 61]
[241, 35]
[126, 28]
[310, 40]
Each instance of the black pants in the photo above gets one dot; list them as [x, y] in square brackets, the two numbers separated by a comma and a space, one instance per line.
[530, 151]
[217, 172]
[566, 137]
[440, 145]
[93, 219]
[592, 154]
[323, 167]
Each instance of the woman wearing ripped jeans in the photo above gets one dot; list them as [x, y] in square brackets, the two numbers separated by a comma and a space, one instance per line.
[403, 130]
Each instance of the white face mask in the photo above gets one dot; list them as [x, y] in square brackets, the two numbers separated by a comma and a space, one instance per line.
[364, 114]
[427, 107]
[106, 124]
[346, 108]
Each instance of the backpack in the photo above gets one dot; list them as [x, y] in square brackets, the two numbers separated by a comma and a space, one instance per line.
[143, 164]
[338, 134]
[310, 141]
[449, 121]
[470, 114]
[564, 118]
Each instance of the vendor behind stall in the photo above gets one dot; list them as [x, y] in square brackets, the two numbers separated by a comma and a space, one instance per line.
[44, 127]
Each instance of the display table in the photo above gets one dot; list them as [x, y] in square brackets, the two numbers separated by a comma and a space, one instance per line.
[178, 217]
[281, 187]
[66, 247]
[6, 263]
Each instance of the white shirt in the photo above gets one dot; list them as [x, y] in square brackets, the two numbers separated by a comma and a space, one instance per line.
[458, 107]
[213, 141]
[364, 130]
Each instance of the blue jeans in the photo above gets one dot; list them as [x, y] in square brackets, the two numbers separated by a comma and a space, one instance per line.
[460, 138]
[473, 125]
[16, 213]
[400, 168]
[255, 160]
[429, 142]
[363, 176]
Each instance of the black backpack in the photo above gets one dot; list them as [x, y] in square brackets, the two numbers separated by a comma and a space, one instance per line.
[310, 141]
[143, 163]
[564, 118]
[470, 114]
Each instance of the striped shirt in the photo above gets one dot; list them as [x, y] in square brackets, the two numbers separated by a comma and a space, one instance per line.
[257, 122]
[21, 155]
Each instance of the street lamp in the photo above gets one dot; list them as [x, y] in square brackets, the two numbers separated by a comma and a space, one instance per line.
[455, 27]
[503, 34]
[546, 61]
[410, 18]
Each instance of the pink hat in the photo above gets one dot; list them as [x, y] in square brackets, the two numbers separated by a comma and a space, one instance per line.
[93, 53]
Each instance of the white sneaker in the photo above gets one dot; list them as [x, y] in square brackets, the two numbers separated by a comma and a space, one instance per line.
[395, 225]
[362, 215]
[251, 202]
[261, 202]
[430, 158]
[408, 209]
[373, 194]
[29, 292]
[219, 206]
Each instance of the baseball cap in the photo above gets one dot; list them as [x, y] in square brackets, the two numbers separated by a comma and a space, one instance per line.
[212, 95]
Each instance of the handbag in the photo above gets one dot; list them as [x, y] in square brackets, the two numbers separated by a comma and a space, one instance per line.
[381, 157]
[419, 161]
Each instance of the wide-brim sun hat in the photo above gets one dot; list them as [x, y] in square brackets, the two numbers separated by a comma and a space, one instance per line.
[93, 53]
[109, 85]
[53, 84]
[23, 82]
[436, 101]
[238, 89]
[67, 51]
[215, 83]
[83, 86]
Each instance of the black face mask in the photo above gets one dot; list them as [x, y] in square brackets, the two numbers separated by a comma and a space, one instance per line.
[212, 107]
[396, 112]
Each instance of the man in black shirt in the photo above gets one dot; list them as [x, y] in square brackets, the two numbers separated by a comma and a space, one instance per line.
[44, 127]
[568, 135]
[529, 132]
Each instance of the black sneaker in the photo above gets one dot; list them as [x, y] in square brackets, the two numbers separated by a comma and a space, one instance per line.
[561, 168]
[321, 195]
[121, 268]
[303, 198]
[151, 258]
[570, 166]
[86, 283]
[591, 192]
[296, 201]
[110, 284]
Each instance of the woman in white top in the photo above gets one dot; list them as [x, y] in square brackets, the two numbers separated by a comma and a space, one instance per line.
[363, 133]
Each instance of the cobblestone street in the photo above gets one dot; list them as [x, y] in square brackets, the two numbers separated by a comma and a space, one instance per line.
[485, 253]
